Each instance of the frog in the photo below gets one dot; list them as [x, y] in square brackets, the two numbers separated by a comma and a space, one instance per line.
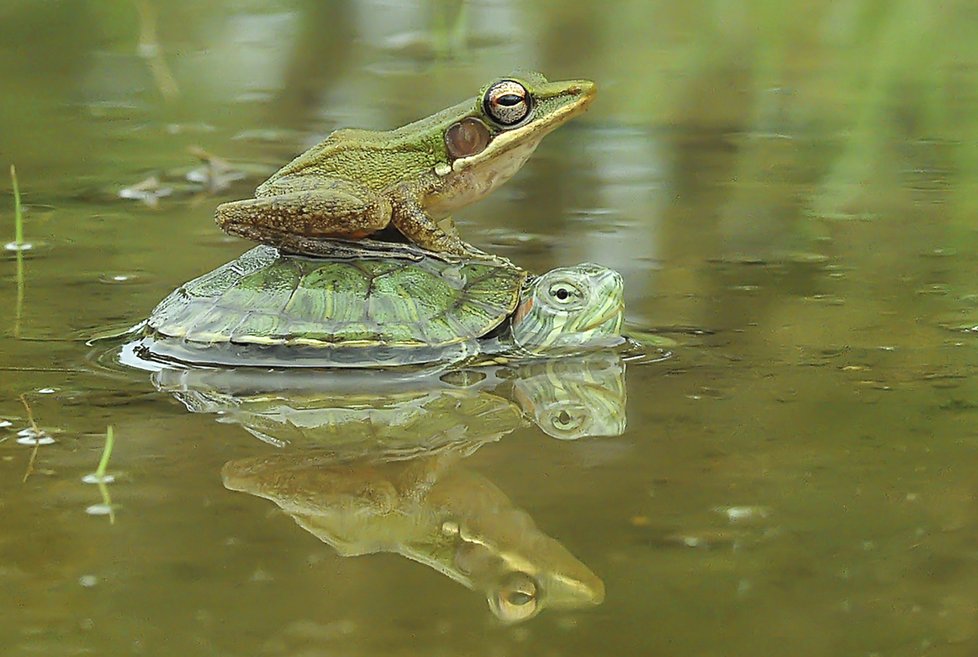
[428, 509]
[359, 182]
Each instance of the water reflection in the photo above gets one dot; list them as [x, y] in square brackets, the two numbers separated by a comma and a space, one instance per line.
[372, 463]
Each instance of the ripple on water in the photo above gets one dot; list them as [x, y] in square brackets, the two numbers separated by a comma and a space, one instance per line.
[30, 250]
[963, 320]
[122, 277]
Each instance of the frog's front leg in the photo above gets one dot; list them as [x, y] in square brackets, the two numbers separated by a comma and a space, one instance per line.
[410, 218]
[283, 215]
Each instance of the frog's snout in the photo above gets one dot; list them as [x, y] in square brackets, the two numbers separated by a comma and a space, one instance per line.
[583, 88]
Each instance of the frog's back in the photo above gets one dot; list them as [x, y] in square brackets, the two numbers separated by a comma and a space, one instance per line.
[371, 159]
[266, 299]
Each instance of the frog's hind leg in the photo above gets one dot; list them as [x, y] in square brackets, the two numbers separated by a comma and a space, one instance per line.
[333, 211]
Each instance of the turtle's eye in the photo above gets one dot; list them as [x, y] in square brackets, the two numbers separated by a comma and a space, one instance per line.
[507, 102]
[565, 293]
[568, 422]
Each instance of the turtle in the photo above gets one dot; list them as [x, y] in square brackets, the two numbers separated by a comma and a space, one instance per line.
[402, 412]
[379, 304]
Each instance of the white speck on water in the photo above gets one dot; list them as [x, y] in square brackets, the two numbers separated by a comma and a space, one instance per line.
[99, 510]
[742, 513]
[47, 391]
[5, 423]
[88, 581]
[22, 246]
[93, 478]
[29, 437]
[114, 277]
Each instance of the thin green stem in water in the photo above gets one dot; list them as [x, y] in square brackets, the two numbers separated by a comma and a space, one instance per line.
[18, 211]
[18, 243]
[107, 500]
[106, 453]
[37, 438]
[19, 309]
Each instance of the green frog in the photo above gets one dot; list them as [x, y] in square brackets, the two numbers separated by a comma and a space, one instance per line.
[428, 509]
[357, 182]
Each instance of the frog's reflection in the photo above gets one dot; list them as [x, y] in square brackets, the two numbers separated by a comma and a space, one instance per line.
[379, 470]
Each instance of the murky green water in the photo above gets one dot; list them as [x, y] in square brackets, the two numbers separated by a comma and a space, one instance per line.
[791, 196]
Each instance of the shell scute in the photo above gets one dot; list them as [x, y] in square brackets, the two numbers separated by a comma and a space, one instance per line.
[335, 293]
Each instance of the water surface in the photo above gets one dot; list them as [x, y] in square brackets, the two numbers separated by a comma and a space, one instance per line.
[790, 196]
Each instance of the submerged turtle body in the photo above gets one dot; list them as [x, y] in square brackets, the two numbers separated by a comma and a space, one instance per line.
[367, 306]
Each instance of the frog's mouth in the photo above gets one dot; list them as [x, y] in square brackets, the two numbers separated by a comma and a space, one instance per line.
[528, 135]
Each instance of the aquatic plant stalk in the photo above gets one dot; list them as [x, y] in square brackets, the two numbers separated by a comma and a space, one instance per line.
[18, 211]
[37, 436]
[106, 453]
[107, 501]
[18, 244]
[150, 50]
[100, 479]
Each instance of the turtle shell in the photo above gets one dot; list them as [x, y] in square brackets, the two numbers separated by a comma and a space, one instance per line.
[270, 299]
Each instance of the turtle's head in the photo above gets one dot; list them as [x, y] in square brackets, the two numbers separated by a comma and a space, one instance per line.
[570, 309]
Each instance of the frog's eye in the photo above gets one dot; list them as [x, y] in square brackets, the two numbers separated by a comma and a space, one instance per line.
[507, 102]
[516, 599]
[469, 136]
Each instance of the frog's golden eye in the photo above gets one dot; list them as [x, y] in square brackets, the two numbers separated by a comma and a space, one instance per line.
[516, 599]
[467, 137]
[507, 102]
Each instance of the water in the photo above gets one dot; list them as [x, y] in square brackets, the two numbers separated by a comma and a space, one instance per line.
[789, 196]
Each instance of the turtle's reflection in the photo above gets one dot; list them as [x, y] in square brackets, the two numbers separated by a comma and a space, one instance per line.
[379, 470]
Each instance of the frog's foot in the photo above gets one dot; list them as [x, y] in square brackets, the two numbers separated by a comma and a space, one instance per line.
[331, 212]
